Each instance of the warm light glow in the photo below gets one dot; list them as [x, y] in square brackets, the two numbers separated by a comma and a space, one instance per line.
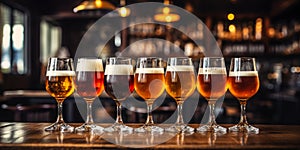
[231, 28]
[124, 12]
[98, 3]
[94, 5]
[230, 16]
[166, 10]
[166, 16]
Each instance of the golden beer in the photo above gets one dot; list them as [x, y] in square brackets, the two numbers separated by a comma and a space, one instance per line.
[60, 84]
[211, 82]
[149, 82]
[180, 82]
[243, 85]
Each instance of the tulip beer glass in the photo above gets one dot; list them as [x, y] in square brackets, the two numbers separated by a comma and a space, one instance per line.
[211, 83]
[60, 85]
[89, 85]
[180, 83]
[243, 83]
[118, 81]
[149, 84]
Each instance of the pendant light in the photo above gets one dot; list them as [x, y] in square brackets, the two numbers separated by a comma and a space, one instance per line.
[166, 14]
[123, 11]
[94, 5]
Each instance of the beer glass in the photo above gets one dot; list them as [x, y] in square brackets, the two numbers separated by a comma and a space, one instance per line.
[211, 84]
[89, 85]
[60, 85]
[149, 84]
[243, 83]
[180, 84]
[118, 81]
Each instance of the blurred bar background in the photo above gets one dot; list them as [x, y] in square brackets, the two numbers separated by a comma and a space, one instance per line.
[33, 30]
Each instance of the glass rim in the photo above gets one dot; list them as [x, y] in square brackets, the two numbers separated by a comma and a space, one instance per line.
[245, 58]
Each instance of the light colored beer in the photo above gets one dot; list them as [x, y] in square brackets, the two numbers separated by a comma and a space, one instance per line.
[59, 84]
[119, 81]
[243, 84]
[211, 82]
[149, 82]
[180, 82]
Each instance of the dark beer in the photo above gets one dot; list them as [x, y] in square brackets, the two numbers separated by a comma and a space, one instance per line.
[119, 81]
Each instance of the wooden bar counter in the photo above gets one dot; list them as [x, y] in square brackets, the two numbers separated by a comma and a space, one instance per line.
[31, 136]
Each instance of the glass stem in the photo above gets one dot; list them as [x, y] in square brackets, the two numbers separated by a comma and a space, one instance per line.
[60, 119]
[89, 117]
[179, 118]
[119, 113]
[243, 114]
[149, 120]
[212, 118]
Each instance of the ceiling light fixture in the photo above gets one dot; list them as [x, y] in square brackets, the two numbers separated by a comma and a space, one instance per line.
[166, 14]
[230, 16]
[123, 11]
[91, 5]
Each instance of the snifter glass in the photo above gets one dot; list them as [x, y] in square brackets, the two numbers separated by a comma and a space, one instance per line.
[89, 85]
[149, 84]
[60, 85]
[118, 81]
[180, 83]
[243, 83]
[211, 84]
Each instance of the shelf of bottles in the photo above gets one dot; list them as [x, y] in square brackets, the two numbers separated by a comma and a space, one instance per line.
[258, 37]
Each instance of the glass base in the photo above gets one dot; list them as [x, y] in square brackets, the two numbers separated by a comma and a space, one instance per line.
[180, 128]
[117, 127]
[211, 128]
[243, 128]
[149, 128]
[89, 127]
[62, 127]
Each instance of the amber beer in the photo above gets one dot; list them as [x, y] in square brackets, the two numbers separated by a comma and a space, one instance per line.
[89, 78]
[118, 81]
[149, 82]
[59, 84]
[180, 82]
[243, 84]
[211, 82]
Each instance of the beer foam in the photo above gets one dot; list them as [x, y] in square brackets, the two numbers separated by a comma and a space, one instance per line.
[149, 70]
[118, 70]
[89, 65]
[243, 73]
[212, 70]
[180, 68]
[60, 73]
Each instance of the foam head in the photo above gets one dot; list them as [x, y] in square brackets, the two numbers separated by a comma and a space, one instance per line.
[215, 70]
[118, 70]
[60, 73]
[180, 68]
[243, 73]
[84, 64]
[150, 70]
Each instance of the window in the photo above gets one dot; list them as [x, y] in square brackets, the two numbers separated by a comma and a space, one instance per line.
[50, 40]
[12, 44]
